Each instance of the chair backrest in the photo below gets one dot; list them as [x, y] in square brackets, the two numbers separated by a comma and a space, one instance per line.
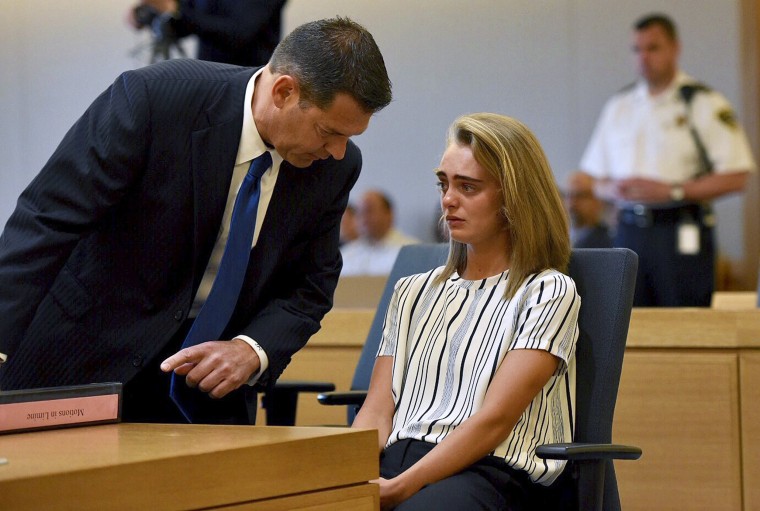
[605, 279]
[411, 259]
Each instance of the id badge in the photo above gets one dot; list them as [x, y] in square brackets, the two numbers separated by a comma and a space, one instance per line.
[688, 238]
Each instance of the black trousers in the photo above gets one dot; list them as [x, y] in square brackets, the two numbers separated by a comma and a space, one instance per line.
[666, 277]
[489, 484]
[146, 396]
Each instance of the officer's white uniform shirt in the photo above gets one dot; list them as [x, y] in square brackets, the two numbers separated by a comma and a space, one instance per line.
[639, 135]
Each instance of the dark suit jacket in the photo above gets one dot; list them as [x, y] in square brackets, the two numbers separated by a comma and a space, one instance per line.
[242, 32]
[103, 255]
[597, 236]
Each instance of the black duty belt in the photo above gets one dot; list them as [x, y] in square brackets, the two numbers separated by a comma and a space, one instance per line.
[644, 216]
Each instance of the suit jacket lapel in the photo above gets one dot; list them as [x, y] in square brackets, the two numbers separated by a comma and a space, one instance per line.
[289, 210]
[280, 222]
[214, 148]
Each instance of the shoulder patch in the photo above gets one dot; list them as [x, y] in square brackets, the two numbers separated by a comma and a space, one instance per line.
[727, 117]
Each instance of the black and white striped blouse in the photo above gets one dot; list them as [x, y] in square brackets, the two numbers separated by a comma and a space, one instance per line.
[449, 339]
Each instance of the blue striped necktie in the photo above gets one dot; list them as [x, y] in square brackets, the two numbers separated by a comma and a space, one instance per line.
[217, 310]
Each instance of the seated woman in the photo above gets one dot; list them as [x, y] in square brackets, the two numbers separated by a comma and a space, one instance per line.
[476, 366]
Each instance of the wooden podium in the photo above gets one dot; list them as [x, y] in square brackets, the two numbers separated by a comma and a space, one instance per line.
[161, 466]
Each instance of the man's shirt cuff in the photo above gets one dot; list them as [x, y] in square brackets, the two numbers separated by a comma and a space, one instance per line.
[264, 360]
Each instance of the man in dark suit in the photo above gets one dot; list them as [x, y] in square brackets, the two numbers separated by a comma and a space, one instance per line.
[241, 32]
[111, 247]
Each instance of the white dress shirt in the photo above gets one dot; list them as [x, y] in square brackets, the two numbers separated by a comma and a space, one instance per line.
[251, 146]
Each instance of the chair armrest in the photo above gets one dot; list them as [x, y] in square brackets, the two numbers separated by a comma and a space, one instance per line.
[588, 452]
[591, 461]
[281, 400]
[303, 386]
[351, 397]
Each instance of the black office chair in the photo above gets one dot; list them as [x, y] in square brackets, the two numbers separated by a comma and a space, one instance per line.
[605, 279]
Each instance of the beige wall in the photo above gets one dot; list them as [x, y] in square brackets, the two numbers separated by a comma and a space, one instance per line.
[551, 63]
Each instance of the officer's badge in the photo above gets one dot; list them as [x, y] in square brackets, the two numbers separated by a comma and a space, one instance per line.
[727, 117]
[681, 121]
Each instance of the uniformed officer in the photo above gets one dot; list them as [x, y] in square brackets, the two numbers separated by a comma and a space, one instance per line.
[662, 149]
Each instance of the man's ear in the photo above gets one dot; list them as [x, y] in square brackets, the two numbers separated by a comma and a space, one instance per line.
[284, 90]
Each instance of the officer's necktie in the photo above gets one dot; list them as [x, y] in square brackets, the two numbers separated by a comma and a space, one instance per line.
[217, 310]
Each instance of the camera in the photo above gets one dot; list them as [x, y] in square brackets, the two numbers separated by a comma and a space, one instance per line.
[145, 15]
[164, 35]
[160, 24]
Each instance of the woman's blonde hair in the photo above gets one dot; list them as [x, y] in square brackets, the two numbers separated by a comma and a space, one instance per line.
[531, 203]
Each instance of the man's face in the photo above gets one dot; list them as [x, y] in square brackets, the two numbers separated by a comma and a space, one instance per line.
[375, 219]
[305, 134]
[584, 207]
[656, 55]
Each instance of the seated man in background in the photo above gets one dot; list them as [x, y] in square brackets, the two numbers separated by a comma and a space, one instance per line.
[587, 226]
[375, 251]
[348, 229]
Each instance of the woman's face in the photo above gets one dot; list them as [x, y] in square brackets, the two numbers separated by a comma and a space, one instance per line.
[470, 200]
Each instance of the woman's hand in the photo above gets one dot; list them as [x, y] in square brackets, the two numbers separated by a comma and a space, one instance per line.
[393, 492]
